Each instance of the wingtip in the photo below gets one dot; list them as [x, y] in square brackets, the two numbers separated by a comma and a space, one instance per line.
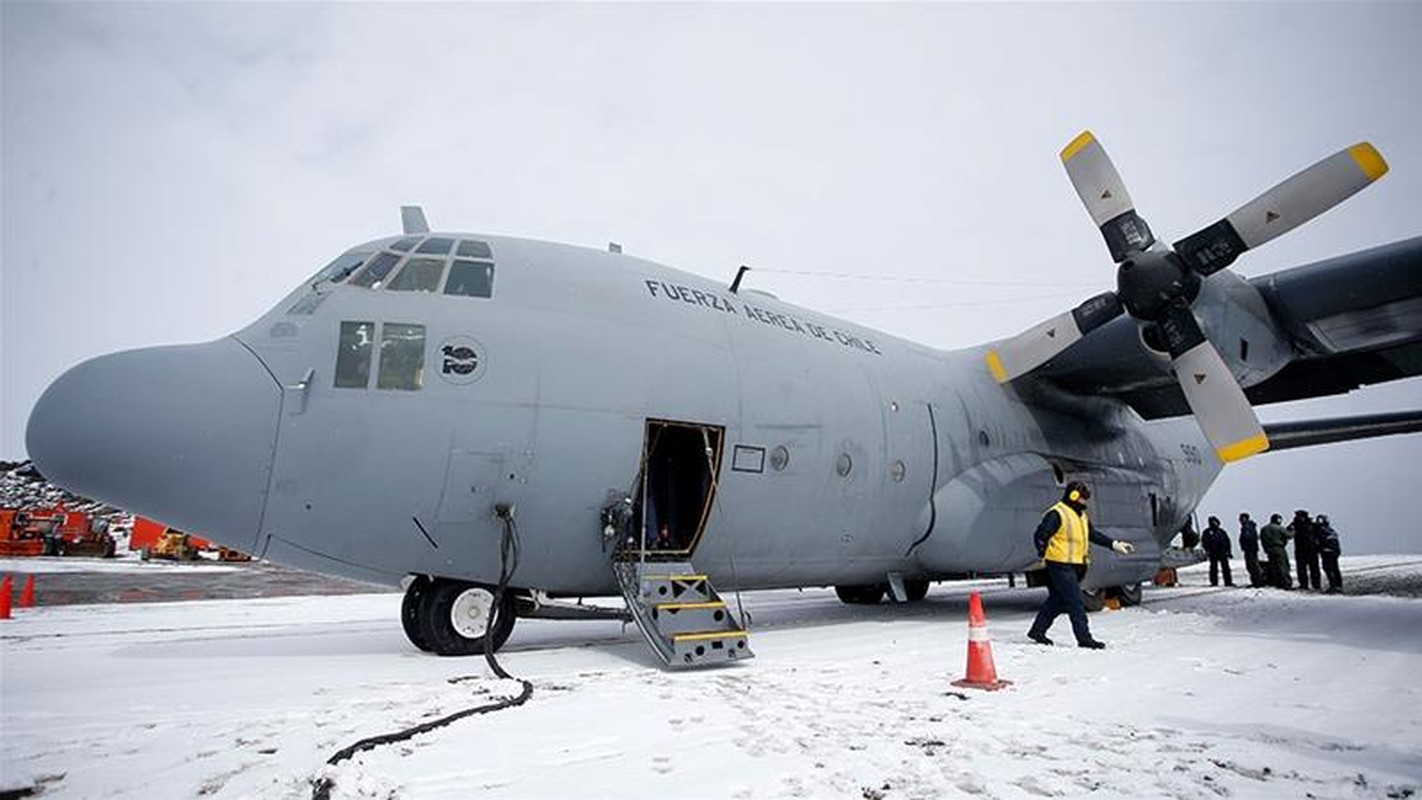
[1243, 448]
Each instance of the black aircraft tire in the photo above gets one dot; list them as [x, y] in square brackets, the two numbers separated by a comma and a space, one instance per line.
[915, 589]
[410, 612]
[1093, 599]
[447, 600]
[861, 595]
[1129, 594]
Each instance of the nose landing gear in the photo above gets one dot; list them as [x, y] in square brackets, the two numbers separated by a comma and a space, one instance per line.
[451, 617]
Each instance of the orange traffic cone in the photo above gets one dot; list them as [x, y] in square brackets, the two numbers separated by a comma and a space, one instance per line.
[27, 594]
[981, 672]
[5, 587]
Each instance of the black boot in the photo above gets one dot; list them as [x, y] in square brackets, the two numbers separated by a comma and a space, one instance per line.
[1039, 638]
[1092, 644]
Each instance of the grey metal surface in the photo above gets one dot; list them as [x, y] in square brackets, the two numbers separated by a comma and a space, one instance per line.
[864, 454]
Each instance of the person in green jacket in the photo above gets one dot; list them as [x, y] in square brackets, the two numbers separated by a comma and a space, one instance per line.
[1275, 540]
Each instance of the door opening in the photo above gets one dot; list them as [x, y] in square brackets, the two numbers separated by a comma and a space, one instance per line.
[680, 465]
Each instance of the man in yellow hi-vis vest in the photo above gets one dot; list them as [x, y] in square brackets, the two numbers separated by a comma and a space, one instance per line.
[1064, 540]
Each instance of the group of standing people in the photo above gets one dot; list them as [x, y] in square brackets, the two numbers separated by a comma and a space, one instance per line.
[1315, 544]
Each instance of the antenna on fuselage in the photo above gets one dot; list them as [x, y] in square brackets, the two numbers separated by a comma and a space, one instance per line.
[412, 218]
[740, 273]
[614, 247]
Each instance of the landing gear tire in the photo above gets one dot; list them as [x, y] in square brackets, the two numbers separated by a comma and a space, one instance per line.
[865, 595]
[1129, 594]
[1093, 599]
[410, 612]
[455, 617]
[915, 590]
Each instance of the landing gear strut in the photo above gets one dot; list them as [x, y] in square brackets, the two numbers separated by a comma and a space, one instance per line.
[451, 618]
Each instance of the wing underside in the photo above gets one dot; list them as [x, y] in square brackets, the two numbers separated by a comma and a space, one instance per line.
[1347, 322]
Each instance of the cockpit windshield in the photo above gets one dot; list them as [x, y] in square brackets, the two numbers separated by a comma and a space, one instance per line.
[414, 264]
[430, 264]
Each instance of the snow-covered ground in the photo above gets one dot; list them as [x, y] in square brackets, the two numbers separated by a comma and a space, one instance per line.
[1239, 693]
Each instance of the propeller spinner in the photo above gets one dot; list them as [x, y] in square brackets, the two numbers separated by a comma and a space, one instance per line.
[1156, 284]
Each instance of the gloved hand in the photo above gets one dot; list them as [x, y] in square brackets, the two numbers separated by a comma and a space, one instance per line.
[1123, 547]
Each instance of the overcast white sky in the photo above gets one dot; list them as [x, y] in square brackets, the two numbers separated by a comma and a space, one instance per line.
[170, 171]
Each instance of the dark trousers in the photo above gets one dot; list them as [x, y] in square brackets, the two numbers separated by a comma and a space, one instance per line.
[1278, 569]
[1251, 565]
[1308, 570]
[1063, 595]
[1330, 568]
[1217, 563]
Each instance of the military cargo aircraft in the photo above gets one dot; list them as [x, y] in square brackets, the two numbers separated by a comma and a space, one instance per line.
[454, 411]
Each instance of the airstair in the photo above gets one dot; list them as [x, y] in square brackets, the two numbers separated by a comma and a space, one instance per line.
[682, 617]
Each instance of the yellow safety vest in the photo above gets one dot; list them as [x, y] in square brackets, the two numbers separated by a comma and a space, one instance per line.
[1069, 544]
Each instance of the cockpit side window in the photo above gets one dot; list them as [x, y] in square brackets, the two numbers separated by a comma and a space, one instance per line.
[470, 248]
[375, 271]
[353, 356]
[471, 278]
[341, 268]
[418, 275]
[402, 356]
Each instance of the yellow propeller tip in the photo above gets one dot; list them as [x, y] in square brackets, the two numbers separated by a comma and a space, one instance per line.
[1243, 448]
[1370, 161]
[1082, 140]
[999, 373]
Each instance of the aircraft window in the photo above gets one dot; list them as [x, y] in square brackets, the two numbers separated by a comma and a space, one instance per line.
[376, 270]
[418, 275]
[405, 244]
[472, 278]
[353, 355]
[341, 268]
[469, 248]
[402, 356]
[436, 246]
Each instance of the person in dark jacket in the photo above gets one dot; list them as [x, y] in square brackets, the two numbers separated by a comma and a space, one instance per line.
[1249, 546]
[1216, 543]
[1328, 550]
[1063, 540]
[1305, 550]
[1275, 539]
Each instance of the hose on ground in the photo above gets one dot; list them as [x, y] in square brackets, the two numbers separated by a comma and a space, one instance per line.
[508, 556]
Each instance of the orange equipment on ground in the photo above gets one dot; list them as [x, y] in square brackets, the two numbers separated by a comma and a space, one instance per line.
[5, 589]
[981, 672]
[27, 594]
[16, 536]
[153, 539]
[53, 531]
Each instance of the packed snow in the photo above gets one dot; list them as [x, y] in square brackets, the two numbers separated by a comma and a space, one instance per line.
[1201, 692]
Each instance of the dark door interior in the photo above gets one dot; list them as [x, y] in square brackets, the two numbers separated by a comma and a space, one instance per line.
[680, 464]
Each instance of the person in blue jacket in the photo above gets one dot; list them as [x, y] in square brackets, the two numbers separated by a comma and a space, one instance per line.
[1063, 540]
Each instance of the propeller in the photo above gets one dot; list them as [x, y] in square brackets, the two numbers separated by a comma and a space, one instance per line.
[1156, 284]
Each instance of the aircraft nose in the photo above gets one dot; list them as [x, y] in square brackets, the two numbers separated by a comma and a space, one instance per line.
[184, 435]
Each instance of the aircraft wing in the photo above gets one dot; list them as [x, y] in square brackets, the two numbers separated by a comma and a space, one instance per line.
[1348, 322]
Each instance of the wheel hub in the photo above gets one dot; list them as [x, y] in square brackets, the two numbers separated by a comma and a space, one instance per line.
[469, 614]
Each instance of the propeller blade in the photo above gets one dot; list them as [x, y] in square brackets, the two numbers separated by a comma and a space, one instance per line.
[1288, 205]
[1104, 194]
[1215, 397]
[1037, 345]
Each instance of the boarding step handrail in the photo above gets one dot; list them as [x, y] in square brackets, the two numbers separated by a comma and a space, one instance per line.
[679, 613]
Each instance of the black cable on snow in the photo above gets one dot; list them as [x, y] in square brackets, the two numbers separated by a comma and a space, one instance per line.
[509, 549]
